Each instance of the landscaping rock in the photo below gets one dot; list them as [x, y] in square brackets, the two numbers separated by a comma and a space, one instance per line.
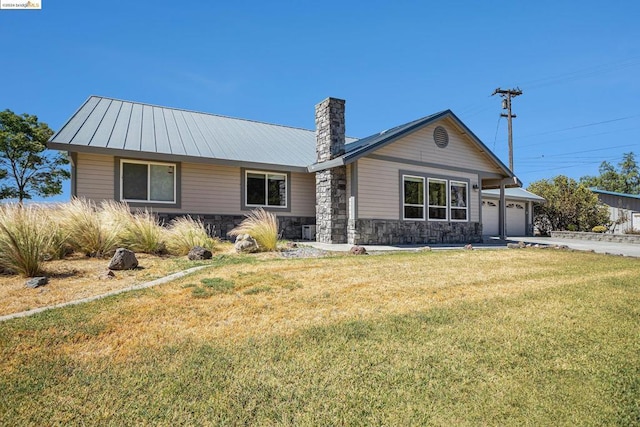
[358, 250]
[36, 282]
[107, 275]
[123, 259]
[198, 253]
[291, 245]
[469, 247]
[425, 249]
[246, 244]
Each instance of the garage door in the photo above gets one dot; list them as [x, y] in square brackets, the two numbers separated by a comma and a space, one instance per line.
[490, 218]
[516, 219]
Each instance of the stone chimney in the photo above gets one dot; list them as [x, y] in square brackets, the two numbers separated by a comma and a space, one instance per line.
[331, 184]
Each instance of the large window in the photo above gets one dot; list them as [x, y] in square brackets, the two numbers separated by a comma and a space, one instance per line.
[413, 197]
[459, 203]
[147, 181]
[266, 189]
[437, 199]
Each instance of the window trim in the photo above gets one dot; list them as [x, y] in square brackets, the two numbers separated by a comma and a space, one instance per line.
[243, 184]
[404, 204]
[466, 207]
[431, 177]
[446, 203]
[177, 179]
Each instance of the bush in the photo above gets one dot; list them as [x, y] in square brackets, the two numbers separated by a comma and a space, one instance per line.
[262, 226]
[92, 232]
[599, 229]
[184, 233]
[25, 238]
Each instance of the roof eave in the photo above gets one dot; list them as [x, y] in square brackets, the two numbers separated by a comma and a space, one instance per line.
[140, 155]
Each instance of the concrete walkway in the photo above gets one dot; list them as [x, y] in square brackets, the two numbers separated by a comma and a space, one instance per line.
[626, 249]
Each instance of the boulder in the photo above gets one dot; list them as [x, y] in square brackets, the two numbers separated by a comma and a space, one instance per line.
[246, 244]
[469, 247]
[36, 282]
[425, 249]
[198, 253]
[123, 259]
[358, 250]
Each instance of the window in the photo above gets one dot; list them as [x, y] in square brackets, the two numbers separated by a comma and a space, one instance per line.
[413, 197]
[147, 181]
[266, 189]
[437, 199]
[459, 203]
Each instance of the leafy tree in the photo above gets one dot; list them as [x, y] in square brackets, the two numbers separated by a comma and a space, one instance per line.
[569, 206]
[26, 169]
[625, 180]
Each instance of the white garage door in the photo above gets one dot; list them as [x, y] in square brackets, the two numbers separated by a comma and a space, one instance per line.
[490, 218]
[516, 219]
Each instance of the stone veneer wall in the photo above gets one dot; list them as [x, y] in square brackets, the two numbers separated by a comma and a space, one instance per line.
[394, 232]
[331, 184]
[601, 237]
[220, 225]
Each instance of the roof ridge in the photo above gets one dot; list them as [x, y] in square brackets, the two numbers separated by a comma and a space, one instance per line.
[200, 112]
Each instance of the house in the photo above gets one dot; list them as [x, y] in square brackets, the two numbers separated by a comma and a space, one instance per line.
[624, 210]
[420, 182]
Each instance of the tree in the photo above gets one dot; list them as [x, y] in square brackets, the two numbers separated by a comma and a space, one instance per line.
[26, 169]
[569, 206]
[625, 180]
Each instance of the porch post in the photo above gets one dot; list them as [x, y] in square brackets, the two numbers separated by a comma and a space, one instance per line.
[502, 214]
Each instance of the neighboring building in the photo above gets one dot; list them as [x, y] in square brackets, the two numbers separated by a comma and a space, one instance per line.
[419, 182]
[519, 212]
[624, 210]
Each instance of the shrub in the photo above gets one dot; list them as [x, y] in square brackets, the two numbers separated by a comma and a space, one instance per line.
[60, 245]
[262, 226]
[91, 232]
[184, 233]
[143, 233]
[599, 229]
[25, 238]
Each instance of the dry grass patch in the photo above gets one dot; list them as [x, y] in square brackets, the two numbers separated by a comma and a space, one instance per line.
[441, 338]
[279, 297]
[77, 277]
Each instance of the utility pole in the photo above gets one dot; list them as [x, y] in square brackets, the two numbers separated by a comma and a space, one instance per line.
[506, 95]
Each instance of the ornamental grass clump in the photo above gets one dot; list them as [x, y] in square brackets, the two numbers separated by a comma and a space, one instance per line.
[25, 238]
[60, 245]
[139, 232]
[184, 233]
[92, 232]
[262, 226]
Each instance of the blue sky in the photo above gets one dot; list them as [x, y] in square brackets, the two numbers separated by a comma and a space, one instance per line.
[577, 63]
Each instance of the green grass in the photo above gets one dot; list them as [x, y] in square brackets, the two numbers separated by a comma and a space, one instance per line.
[563, 353]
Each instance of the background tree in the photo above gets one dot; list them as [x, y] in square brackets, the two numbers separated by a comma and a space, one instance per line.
[569, 206]
[626, 179]
[26, 169]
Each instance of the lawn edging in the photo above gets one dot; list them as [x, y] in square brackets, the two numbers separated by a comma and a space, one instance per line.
[145, 285]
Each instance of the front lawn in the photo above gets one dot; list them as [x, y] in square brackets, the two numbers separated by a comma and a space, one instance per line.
[518, 337]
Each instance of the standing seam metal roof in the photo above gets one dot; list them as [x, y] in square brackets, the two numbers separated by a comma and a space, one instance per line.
[111, 124]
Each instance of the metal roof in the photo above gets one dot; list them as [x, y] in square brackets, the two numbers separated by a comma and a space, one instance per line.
[514, 193]
[116, 127]
[364, 146]
[103, 125]
[613, 193]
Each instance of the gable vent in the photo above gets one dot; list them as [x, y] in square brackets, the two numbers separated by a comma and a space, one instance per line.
[441, 137]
